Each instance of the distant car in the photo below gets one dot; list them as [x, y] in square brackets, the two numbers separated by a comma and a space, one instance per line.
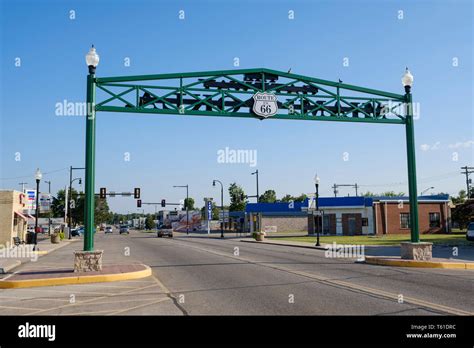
[124, 229]
[470, 231]
[164, 230]
[77, 232]
[108, 229]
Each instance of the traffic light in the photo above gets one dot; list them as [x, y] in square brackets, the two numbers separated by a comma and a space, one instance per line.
[103, 193]
[163, 203]
[139, 203]
[136, 192]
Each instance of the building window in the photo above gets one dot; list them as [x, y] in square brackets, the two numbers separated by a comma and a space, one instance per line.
[435, 220]
[404, 220]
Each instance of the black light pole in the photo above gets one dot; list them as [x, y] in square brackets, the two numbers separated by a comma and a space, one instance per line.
[71, 168]
[222, 205]
[256, 173]
[69, 205]
[187, 206]
[316, 183]
[49, 217]
[38, 177]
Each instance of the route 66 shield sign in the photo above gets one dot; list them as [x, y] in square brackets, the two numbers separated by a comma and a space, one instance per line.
[265, 104]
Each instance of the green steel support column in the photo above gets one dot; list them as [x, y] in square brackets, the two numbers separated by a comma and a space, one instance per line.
[90, 166]
[412, 187]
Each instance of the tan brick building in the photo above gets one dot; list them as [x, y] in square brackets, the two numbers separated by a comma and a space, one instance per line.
[13, 223]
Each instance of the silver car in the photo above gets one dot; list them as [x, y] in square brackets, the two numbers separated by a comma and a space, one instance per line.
[124, 229]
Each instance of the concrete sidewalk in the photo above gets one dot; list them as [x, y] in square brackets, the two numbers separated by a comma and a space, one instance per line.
[56, 268]
[9, 257]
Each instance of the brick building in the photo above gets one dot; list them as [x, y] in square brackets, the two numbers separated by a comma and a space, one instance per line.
[351, 216]
[392, 214]
[339, 215]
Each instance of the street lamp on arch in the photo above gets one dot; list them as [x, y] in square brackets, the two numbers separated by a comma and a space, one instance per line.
[407, 80]
[92, 60]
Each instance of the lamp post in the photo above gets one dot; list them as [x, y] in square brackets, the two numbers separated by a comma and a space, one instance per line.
[316, 184]
[222, 205]
[426, 190]
[49, 215]
[187, 206]
[38, 176]
[71, 169]
[256, 173]
[92, 60]
[407, 81]
[69, 204]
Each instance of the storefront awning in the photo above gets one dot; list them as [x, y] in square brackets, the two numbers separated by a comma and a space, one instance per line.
[21, 215]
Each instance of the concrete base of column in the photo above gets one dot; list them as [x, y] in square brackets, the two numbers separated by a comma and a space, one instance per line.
[422, 251]
[88, 261]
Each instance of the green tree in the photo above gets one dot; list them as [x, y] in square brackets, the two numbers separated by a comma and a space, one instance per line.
[188, 203]
[237, 198]
[102, 213]
[460, 198]
[149, 222]
[269, 196]
[76, 208]
[463, 213]
[289, 198]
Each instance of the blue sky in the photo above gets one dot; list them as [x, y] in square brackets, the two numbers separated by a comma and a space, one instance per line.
[170, 150]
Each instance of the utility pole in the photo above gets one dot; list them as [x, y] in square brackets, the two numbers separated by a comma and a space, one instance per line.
[467, 171]
[256, 173]
[22, 186]
[335, 186]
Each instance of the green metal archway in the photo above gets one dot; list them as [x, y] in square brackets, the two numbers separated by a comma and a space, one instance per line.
[248, 93]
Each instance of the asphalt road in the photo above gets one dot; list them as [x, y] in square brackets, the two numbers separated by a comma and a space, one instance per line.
[197, 275]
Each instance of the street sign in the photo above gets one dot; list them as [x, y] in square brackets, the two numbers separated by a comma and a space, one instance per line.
[112, 194]
[45, 200]
[209, 210]
[30, 199]
[265, 104]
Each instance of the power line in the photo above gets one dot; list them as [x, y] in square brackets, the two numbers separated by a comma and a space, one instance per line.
[29, 176]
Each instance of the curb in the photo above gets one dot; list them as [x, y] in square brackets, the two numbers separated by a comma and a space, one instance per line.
[290, 245]
[421, 264]
[7, 268]
[85, 279]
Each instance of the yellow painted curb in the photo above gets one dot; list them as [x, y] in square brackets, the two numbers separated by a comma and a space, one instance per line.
[41, 252]
[84, 279]
[422, 264]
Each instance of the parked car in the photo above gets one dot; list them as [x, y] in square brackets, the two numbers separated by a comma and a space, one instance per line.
[124, 229]
[165, 231]
[470, 231]
[108, 229]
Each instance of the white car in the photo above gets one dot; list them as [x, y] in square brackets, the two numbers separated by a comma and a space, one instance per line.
[470, 231]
